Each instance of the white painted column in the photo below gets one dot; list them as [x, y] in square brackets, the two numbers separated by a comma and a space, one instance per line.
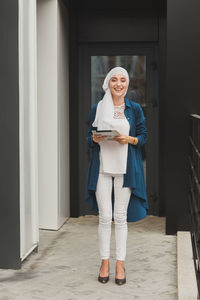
[63, 113]
[44, 119]
[53, 113]
[29, 233]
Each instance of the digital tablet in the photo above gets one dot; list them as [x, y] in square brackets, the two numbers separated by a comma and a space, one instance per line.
[108, 133]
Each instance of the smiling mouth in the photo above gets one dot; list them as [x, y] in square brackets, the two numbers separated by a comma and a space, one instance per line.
[118, 90]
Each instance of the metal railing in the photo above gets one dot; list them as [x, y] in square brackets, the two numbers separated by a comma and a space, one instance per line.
[194, 190]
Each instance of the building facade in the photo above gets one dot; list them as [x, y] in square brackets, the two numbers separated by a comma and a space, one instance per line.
[54, 56]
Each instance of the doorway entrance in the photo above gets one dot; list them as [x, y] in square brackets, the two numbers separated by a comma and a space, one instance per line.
[95, 60]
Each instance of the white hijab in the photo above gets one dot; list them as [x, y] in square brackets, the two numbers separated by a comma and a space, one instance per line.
[105, 108]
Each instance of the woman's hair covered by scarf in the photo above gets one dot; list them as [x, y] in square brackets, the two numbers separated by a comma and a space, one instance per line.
[105, 110]
[111, 73]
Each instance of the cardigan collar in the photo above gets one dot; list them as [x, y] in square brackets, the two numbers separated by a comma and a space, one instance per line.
[127, 102]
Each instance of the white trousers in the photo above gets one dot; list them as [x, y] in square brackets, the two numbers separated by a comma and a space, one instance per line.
[104, 201]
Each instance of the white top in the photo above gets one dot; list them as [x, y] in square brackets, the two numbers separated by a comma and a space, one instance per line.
[113, 155]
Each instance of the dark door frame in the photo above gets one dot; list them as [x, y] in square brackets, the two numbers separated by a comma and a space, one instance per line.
[77, 158]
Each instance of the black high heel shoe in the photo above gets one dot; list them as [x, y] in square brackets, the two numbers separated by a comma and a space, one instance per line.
[103, 279]
[121, 281]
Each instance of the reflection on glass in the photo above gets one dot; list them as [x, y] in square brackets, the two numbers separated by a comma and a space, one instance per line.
[136, 68]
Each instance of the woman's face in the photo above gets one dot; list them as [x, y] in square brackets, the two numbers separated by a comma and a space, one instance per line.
[118, 85]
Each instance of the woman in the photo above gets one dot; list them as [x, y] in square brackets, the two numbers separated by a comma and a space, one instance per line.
[118, 161]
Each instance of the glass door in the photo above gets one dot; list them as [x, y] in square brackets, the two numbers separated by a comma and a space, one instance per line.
[136, 66]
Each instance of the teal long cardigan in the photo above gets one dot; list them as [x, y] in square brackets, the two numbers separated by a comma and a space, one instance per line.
[134, 177]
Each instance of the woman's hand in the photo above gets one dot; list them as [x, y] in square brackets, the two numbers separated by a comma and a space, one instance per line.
[98, 138]
[124, 139]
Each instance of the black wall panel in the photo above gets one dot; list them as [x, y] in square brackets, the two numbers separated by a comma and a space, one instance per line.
[183, 77]
[114, 28]
[9, 150]
[115, 5]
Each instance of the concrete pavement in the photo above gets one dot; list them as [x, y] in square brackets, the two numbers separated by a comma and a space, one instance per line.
[67, 265]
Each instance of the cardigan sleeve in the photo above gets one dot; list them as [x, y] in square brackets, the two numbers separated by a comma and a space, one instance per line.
[92, 114]
[141, 131]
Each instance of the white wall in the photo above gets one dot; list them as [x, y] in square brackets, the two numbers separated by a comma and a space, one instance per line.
[63, 113]
[53, 119]
[29, 233]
